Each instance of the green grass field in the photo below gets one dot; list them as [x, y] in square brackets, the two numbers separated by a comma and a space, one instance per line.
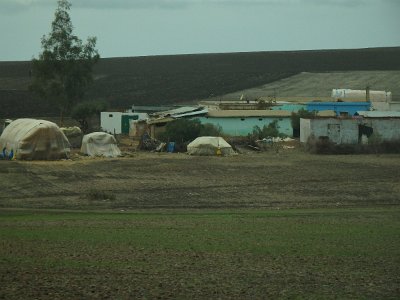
[201, 254]
[173, 226]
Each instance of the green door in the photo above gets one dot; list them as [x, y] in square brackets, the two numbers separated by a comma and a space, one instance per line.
[125, 120]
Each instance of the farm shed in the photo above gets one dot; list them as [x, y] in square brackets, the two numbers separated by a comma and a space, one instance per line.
[180, 112]
[350, 131]
[242, 122]
[100, 144]
[32, 139]
[340, 108]
[158, 121]
[119, 122]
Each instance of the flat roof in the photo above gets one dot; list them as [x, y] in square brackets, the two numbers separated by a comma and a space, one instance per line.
[248, 113]
[379, 114]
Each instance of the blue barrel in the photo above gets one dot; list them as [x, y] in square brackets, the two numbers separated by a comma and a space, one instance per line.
[171, 147]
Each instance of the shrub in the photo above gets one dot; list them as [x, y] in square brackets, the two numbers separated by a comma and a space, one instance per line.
[183, 131]
[94, 194]
[270, 130]
[323, 145]
[83, 111]
[210, 130]
[390, 147]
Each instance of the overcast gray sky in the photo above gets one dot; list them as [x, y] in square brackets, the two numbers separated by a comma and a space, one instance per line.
[157, 27]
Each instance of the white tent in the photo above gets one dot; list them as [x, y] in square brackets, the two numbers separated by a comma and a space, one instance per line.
[35, 140]
[210, 145]
[100, 144]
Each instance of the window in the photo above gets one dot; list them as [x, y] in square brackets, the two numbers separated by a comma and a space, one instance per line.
[110, 115]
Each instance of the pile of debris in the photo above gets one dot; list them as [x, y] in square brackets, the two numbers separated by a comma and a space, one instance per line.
[149, 144]
[270, 142]
[246, 144]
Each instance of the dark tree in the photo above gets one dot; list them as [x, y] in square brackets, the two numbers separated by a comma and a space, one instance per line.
[84, 112]
[63, 70]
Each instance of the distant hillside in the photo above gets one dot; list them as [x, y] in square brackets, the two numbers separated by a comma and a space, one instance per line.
[177, 79]
[320, 85]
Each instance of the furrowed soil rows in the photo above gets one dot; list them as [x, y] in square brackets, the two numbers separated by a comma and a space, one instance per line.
[287, 180]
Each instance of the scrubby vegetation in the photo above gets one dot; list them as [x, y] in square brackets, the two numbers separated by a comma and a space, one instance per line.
[323, 145]
[83, 112]
[99, 195]
[270, 130]
[183, 131]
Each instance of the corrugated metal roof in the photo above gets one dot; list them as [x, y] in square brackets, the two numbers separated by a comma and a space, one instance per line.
[379, 114]
[171, 115]
[193, 113]
[177, 111]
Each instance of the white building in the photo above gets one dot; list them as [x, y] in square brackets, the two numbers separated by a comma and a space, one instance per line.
[354, 130]
[380, 100]
[120, 122]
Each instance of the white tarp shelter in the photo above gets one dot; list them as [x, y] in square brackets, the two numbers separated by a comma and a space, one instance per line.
[210, 145]
[32, 139]
[100, 144]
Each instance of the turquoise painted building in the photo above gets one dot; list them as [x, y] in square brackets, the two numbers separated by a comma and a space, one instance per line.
[241, 123]
[292, 107]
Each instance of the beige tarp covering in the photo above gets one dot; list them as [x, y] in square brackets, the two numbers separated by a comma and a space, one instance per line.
[100, 144]
[35, 140]
[74, 135]
[71, 131]
[209, 145]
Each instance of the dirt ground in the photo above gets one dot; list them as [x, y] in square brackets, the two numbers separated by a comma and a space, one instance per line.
[288, 179]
